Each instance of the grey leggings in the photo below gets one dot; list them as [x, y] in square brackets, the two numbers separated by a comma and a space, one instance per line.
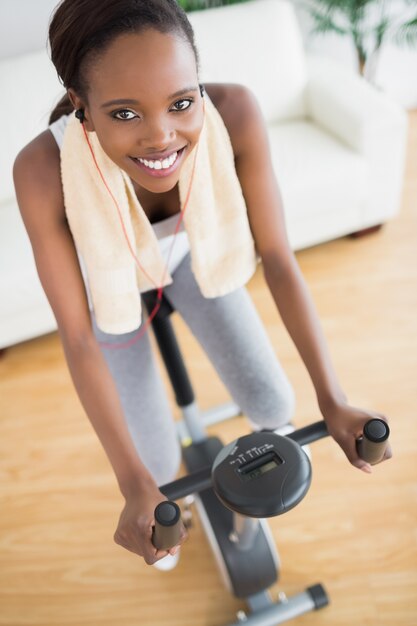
[233, 337]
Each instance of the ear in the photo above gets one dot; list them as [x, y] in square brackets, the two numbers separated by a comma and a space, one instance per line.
[78, 103]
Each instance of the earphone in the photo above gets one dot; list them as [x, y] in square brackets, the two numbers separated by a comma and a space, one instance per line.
[79, 114]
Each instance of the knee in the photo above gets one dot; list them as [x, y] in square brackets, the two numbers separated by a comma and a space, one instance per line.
[158, 448]
[275, 407]
[164, 463]
[167, 469]
[286, 407]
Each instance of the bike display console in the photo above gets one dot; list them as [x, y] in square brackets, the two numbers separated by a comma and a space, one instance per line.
[261, 475]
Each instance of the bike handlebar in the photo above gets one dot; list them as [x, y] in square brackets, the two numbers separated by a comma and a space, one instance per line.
[371, 448]
[198, 481]
[167, 529]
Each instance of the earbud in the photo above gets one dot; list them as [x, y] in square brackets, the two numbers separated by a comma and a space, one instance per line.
[202, 90]
[79, 114]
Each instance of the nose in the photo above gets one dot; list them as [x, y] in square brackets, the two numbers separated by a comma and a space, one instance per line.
[157, 135]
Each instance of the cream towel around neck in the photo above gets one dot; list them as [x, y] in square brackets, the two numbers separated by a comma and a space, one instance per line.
[222, 248]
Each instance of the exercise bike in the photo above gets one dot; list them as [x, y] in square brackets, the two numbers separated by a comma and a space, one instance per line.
[237, 486]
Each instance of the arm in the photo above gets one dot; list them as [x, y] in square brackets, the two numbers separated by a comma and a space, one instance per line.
[39, 193]
[284, 279]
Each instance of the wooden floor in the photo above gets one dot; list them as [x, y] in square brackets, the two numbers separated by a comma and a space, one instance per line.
[355, 533]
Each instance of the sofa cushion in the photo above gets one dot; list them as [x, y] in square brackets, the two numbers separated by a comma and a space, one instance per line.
[24, 309]
[269, 60]
[32, 89]
[320, 178]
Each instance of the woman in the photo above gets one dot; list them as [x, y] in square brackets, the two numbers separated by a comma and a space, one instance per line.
[131, 73]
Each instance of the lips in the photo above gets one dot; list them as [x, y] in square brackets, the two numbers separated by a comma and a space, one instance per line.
[162, 166]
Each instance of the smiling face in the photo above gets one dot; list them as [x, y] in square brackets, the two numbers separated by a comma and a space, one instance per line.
[144, 103]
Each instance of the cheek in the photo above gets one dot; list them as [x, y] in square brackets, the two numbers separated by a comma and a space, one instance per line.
[114, 142]
[192, 129]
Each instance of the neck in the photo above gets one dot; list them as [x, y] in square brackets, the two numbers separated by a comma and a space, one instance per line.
[158, 206]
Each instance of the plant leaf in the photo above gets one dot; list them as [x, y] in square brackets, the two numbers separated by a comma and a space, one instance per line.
[380, 31]
[324, 23]
[198, 5]
[407, 33]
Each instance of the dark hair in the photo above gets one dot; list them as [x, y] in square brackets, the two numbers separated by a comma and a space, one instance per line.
[81, 29]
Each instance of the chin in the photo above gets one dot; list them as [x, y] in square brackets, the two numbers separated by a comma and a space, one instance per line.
[158, 185]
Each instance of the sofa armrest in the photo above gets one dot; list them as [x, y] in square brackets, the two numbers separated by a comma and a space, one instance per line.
[368, 122]
[347, 106]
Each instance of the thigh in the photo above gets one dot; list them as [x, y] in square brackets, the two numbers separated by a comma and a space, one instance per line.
[144, 401]
[234, 338]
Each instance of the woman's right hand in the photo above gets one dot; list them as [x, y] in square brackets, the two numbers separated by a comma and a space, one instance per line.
[134, 530]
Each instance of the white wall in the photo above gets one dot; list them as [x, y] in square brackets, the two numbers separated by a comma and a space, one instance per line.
[24, 25]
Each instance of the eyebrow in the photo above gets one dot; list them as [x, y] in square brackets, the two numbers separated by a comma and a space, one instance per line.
[181, 92]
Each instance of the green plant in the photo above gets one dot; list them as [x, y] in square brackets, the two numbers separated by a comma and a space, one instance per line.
[369, 23]
[198, 5]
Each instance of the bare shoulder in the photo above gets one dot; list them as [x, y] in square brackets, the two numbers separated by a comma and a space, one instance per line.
[36, 173]
[240, 112]
[40, 152]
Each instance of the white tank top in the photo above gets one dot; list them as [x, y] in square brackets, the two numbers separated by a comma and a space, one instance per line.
[163, 230]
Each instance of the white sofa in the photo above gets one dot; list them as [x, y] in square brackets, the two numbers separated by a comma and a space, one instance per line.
[338, 145]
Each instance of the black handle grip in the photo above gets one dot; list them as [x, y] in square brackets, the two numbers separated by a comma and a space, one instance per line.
[372, 445]
[167, 529]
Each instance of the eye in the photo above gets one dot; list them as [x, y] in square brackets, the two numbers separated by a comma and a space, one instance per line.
[183, 105]
[124, 114]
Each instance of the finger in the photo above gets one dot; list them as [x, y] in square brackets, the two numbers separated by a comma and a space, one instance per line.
[363, 465]
[388, 453]
[160, 554]
[348, 445]
[358, 462]
[154, 556]
[183, 537]
[175, 548]
[151, 550]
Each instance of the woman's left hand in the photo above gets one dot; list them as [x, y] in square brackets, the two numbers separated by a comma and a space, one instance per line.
[345, 424]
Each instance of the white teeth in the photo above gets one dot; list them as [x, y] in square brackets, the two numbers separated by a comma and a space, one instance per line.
[158, 164]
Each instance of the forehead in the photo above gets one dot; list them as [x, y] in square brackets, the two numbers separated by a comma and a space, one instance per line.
[141, 65]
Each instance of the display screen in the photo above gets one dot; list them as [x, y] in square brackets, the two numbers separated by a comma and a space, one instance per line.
[258, 467]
